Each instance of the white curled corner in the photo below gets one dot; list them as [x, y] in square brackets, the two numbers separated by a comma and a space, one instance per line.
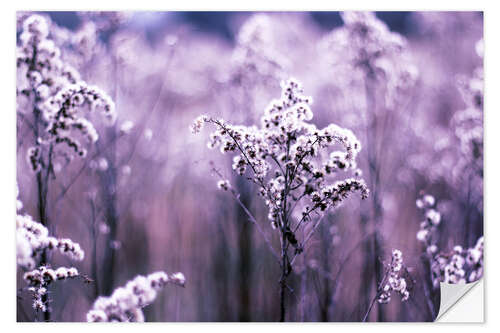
[462, 303]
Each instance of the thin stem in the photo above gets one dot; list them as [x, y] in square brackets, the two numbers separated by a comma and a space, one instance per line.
[374, 171]
[251, 218]
[42, 191]
[285, 264]
[379, 288]
[66, 188]
[427, 260]
[259, 179]
[284, 271]
[93, 228]
[307, 238]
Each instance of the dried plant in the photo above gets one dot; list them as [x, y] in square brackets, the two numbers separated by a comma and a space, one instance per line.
[457, 266]
[126, 303]
[393, 281]
[294, 164]
[32, 241]
[103, 100]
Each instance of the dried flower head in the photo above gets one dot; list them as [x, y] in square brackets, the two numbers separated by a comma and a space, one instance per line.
[394, 280]
[32, 238]
[458, 266]
[52, 92]
[126, 303]
[289, 158]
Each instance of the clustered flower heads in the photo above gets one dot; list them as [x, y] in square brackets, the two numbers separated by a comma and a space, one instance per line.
[107, 20]
[62, 114]
[459, 266]
[468, 123]
[289, 158]
[253, 57]
[431, 222]
[367, 45]
[42, 72]
[126, 303]
[39, 279]
[33, 238]
[395, 281]
[85, 40]
[54, 94]
[366, 40]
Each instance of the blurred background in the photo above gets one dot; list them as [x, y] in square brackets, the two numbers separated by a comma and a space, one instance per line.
[145, 197]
